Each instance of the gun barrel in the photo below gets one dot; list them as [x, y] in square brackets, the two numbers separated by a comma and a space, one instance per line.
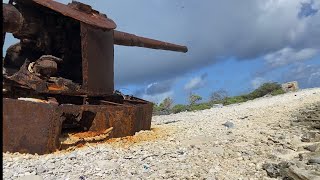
[126, 39]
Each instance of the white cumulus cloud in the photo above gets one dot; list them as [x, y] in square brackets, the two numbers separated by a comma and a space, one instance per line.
[158, 98]
[306, 75]
[286, 56]
[196, 83]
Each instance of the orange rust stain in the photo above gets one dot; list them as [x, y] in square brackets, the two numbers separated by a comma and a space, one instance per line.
[54, 87]
[158, 132]
[86, 134]
[142, 136]
[80, 145]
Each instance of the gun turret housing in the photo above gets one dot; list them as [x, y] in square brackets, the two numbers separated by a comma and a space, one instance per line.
[60, 77]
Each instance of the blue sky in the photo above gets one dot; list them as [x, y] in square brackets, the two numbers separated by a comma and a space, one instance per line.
[233, 45]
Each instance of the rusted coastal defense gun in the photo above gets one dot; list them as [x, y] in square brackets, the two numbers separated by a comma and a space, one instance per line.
[59, 79]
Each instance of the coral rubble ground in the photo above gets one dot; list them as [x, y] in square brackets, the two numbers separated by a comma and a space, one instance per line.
[270, 137]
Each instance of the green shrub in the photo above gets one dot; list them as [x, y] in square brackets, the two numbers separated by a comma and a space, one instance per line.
[179, 108]
[166, 103]
[277, 92]
[156, 109]
[218, 97]
[193, 99]
[264, 89]
[236, 99]
[198, 107]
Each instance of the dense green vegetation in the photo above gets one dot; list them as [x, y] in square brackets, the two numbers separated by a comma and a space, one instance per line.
[217, 97]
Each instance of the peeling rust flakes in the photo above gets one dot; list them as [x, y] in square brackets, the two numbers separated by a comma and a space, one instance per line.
[93, 18]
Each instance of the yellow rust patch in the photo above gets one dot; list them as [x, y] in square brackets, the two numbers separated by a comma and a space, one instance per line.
[86, 134]
[156, 133]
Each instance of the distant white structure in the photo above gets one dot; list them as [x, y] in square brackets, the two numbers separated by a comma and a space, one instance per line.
[290, 86]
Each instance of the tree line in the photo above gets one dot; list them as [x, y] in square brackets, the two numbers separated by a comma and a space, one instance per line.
[217, 97]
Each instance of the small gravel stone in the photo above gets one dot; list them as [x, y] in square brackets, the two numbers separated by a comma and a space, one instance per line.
[228, 124]
[313, 147]
[315, 160]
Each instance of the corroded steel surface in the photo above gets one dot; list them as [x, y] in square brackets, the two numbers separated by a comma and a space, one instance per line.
[92, 18]
[30, 127]
[54, 86]
[97, 68]
[33, 127]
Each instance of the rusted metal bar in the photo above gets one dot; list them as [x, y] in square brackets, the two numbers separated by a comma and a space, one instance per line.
[126, 39]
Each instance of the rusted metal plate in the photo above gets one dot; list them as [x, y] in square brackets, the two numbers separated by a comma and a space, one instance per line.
[147, 116]
[30, 127]
[126, 119]
[144, 113]
[97, 61]
[93, 19]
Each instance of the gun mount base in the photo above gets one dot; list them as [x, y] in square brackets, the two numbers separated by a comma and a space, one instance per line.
[41, 126]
